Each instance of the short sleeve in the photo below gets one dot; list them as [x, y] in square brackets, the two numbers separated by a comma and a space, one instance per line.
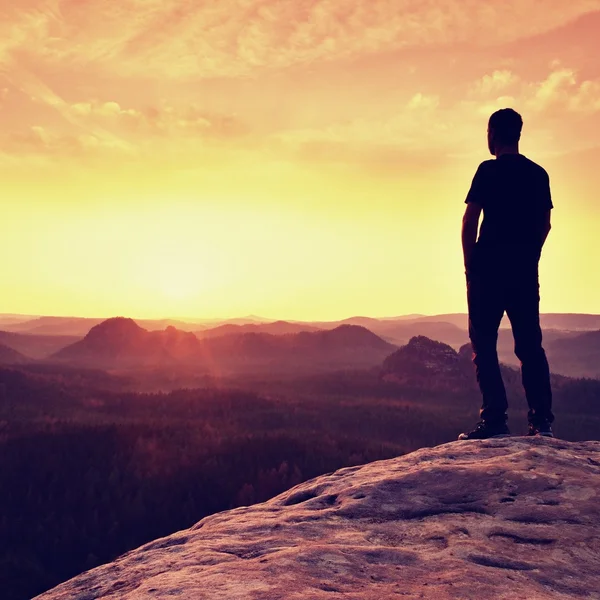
[477, 193]
[546, 194]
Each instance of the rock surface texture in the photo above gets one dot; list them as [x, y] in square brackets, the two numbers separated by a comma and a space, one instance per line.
[506, 518]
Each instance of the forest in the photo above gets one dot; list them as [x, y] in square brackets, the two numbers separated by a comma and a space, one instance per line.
[90, 469]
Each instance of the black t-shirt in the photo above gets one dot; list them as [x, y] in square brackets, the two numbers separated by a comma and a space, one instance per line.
[514, 193]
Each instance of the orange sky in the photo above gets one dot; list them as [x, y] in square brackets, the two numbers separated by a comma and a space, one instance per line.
[293, 159]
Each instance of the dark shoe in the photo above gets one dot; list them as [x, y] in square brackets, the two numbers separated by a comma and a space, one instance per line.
[484, 431]
[543, 429]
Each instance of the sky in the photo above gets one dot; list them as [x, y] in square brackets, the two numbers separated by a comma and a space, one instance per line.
[294, 159]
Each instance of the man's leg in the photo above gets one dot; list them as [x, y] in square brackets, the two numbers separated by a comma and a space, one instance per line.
[523, 309]
[485, 300]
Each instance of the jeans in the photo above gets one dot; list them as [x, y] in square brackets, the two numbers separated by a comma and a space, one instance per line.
[494, 287]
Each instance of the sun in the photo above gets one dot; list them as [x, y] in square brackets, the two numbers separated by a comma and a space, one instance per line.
[179, 282]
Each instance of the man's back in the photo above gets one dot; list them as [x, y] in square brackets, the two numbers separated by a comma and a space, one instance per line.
[514, 193]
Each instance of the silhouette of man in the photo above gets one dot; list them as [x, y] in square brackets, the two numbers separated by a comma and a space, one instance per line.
[501, 268]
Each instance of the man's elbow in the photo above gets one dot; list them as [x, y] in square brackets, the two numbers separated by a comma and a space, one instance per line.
[469, 223]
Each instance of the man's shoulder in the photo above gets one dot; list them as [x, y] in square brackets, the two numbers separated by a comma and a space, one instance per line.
[486, 164]
[535, 167]
[485, 167]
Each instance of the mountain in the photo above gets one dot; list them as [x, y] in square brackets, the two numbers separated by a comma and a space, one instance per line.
[425, 362]
[36, 346]
[402, 332]
[79, 326]
[570, 321]
[121, 342]
[517, 517]
[575, 356]
[9, 356]
[74, 326]
[560, 321]
[181, 345]
[247, 320]
[344, 346]
[8, 319]
[275, 328]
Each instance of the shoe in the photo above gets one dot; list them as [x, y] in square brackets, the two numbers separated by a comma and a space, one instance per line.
[543, 429]
[484, 431]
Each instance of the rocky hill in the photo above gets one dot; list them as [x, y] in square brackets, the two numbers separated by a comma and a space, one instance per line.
[507, 518]
[426, 362]
[120, 342]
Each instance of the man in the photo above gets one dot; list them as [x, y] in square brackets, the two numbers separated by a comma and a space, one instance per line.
[501, 268]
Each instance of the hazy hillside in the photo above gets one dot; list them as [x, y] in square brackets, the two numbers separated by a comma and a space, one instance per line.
[561, 321]
[73, 326]
[275, 328]
[577, 356]
[401, 333]
[344, 346]
[572, 358]
[8, 319]
[36, 346]
[122, 344]
[9, 356]
[570, 321]
[80, 326]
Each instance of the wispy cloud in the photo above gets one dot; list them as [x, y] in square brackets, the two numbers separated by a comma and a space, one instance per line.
[183, 39]
[493, 83]
[563, 90]
[73, 58]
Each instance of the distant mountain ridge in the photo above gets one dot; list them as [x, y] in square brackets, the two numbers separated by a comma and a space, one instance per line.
[274, 328]
[577, 356]
[48, 325]
[122, 343]
[36, 346]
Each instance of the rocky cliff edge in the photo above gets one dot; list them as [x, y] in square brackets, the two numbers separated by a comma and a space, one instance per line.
[507, 518]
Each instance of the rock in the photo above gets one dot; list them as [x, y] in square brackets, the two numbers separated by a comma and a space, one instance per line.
[506, 518]
[427, 363]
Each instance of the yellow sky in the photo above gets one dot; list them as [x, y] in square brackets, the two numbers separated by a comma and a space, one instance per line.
[302, 160]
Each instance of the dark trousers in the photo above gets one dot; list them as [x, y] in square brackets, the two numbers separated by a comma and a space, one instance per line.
[494, 287]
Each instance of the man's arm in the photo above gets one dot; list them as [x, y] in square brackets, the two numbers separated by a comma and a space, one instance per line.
[546, 227]
[470, 225]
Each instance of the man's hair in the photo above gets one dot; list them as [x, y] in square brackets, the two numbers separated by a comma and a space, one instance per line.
[507, 124]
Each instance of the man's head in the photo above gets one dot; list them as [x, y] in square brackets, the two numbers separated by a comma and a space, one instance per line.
[504, 130]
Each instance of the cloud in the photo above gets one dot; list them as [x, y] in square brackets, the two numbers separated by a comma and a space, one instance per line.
[553, 90]
[558, 92]
[164, 120]
[428, 126]
[562, 91]
[179, 39]
[419, 129]
[47, 144]
[493, 83]
[423, 102]
[587, 98]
